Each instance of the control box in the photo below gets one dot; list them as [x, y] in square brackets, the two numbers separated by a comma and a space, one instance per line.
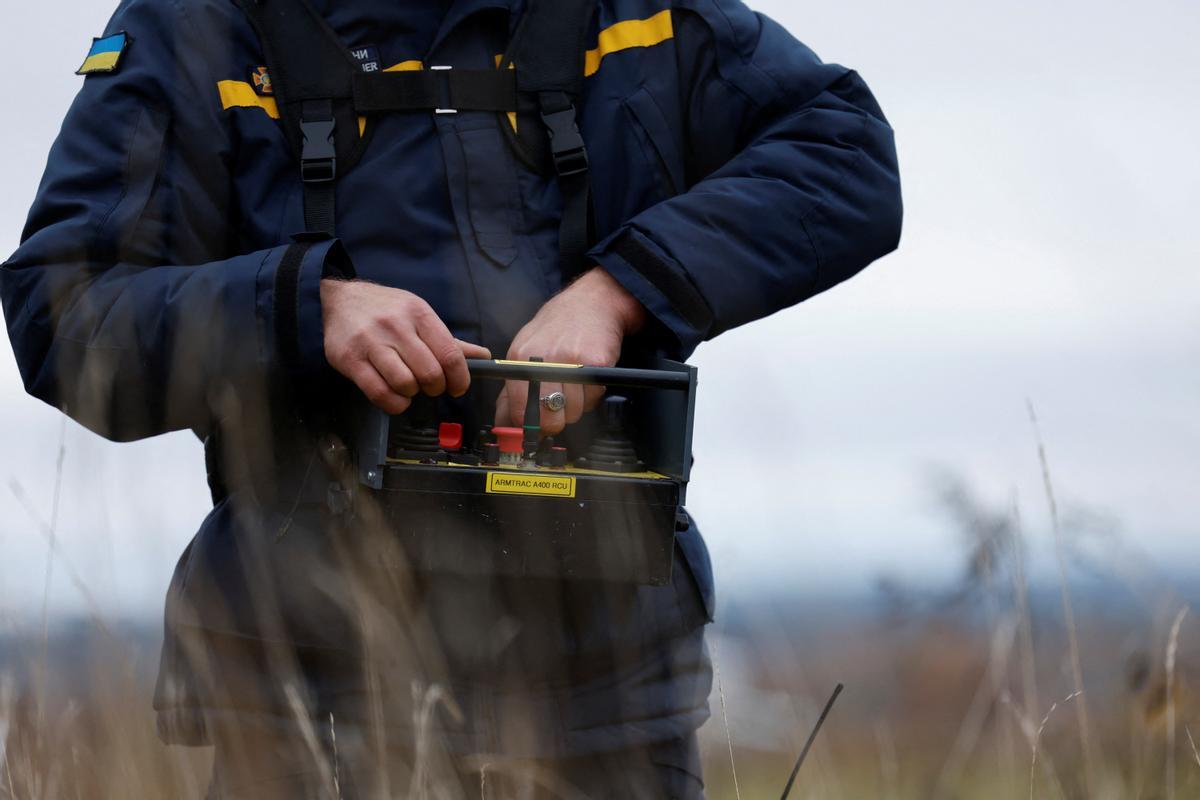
[602, 501]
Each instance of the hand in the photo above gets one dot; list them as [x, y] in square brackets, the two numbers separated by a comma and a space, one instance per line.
[391, 344]
[585, 324]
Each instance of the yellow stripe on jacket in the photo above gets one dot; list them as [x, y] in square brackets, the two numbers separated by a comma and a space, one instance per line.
[239, 94]
[629, 34]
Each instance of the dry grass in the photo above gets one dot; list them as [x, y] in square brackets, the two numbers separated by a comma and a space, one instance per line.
[1082, 715]
[942, 700]
[925, 714]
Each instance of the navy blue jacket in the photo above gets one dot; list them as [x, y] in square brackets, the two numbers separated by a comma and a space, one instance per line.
[735, 175]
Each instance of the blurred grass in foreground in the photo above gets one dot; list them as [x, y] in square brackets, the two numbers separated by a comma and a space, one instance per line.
[934, 707]
[968, 691]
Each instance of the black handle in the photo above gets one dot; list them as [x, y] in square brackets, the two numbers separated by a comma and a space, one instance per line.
[617, 377]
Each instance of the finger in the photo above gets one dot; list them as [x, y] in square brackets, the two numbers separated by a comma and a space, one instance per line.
[517, 393]
[575, 402]
[592, 395]
[453, 377]
[377, 390]
[388, 363]
[446, 350]
[552, 421]
[473, 350]
[502, 416]
[426, 368]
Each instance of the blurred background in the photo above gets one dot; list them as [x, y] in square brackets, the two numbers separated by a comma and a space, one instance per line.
[868, 471]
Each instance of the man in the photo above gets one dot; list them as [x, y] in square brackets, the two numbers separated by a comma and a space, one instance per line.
[155, 289]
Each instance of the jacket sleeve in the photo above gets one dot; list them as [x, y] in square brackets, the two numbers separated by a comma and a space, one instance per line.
[792, 178]
[126, 303]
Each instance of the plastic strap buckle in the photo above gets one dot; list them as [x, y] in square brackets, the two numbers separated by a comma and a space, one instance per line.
[318, 158]
[566, 143]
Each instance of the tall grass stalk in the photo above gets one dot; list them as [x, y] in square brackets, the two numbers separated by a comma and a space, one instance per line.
[1028, 656]
[378, 729]
[1038, 738]
[984, 699]
[1082, 717]
[337, 778]
[483, 768]
[725, 719]
[47, 533]
[426, 703]
[1192, 742]
[1172, 652]
[889, 765]
[1032, 737]
[309, 733]
[52, 536]
[6, 708]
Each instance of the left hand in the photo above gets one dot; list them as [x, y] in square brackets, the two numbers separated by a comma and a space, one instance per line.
[585, 324]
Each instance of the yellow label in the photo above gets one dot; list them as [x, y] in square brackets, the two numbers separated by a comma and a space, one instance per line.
[538, 364]
[535, 485]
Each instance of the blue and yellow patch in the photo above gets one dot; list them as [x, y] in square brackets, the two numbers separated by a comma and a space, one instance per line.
[105, 55]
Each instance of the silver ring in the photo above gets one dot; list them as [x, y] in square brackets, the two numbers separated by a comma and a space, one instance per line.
[555, 402]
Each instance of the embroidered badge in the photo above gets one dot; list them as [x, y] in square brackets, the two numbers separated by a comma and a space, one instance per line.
[260, 79]
[367, 58]
[105, 55]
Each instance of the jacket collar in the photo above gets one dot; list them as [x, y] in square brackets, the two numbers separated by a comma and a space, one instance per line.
[462, 9]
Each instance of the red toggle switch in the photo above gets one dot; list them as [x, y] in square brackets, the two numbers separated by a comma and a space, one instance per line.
[511, 440]
[450, 436]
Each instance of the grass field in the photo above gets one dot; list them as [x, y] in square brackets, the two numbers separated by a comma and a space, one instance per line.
[940, 705]
[982, 690]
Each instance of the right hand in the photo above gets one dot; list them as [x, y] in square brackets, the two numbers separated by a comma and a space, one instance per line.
[392, 344]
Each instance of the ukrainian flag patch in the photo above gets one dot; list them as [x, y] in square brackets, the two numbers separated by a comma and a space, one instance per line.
[105, 55]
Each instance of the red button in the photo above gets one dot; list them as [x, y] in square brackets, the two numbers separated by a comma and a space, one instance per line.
[450, 436]
[511, 440]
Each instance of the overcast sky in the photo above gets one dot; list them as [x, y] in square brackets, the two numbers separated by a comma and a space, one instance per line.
[1051, 252]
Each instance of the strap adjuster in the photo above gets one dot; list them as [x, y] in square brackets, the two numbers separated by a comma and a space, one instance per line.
[445, 92]
[566, 143]
[318, 158]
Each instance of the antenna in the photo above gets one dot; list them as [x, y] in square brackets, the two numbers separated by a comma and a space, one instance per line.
[811, 738]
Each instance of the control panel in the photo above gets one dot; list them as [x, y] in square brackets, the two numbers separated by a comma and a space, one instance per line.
[601, 501]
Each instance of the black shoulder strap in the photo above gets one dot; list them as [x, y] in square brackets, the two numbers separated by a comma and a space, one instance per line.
[549, 51]
[312, 78]
[321, 92]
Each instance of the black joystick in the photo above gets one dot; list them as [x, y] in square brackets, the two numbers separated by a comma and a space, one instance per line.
[485, 436]
[613, 450]
[416, 440]
[417, 432]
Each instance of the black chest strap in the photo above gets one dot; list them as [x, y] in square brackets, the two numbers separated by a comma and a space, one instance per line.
[321, 92]
[435, 90]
